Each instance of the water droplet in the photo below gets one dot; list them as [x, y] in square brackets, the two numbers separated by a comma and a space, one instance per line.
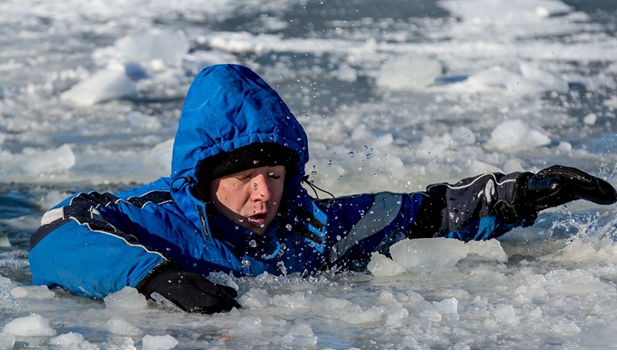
[253, 243]
[288, 227]
[245, 263]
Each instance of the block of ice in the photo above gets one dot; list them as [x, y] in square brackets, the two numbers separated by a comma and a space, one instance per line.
[448, 305]
[552, 81]
[4, 240]
[299, 336]
[382, 266]
[7, 341]
[355, 315]
[166, 342]
[490, 250]
[69, 341]
[505, 314]
[329, 305]
[48, 161]
[38, 292]
[566, 329]
[395, 313]
[127, 299]
[294, 301]
[161, 153]
[166, 45]
[254, 298]
[32, 325]
[427, 254]
[518, 135]
[102, 86]
[408, 73]
[119, 326]
[431, 315]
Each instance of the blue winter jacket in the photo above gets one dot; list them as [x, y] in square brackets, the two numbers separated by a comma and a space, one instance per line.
[94, 244]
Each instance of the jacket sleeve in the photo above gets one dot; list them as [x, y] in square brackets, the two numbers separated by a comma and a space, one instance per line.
[79, 249]
[476, 208]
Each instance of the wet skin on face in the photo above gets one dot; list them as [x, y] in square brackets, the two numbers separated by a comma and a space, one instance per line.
[250, 198]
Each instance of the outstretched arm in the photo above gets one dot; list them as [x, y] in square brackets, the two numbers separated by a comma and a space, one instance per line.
[487, 206]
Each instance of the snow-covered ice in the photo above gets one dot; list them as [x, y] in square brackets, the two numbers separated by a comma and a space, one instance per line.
[392, 97]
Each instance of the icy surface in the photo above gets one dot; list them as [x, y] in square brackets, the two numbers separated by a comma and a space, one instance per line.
[128, 299]
[394, 95]
[158, 342]
[33, 325]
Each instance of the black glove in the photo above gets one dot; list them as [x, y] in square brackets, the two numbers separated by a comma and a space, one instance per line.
[191, 292]
[558, 185]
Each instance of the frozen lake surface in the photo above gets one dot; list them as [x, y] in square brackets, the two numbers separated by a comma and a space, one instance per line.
[393, 94]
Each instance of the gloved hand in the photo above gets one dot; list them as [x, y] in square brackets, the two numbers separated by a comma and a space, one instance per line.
[557, 185]
[191, 292]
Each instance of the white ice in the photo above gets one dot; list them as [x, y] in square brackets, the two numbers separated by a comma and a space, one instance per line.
[166, 342]
[32, 325]
[36, 292]
[517, 134]
[90, 95]
[120, 326]
[126, 299]
[425, 255]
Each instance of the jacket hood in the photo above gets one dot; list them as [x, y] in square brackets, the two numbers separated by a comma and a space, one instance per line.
[228, 107]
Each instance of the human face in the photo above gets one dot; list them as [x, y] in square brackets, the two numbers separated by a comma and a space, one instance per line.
[250, 198]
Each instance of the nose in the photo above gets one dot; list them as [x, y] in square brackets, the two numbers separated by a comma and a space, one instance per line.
[260, 189]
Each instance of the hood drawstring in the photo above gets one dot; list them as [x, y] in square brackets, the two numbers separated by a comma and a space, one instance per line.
[315, 188]
[185, 180]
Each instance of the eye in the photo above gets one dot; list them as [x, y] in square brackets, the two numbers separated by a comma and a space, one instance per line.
[273, 175]
[243, 177]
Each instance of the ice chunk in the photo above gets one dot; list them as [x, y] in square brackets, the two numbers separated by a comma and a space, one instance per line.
[590, 119]
[161, 153]
[448, 305]
[48, 161]
[427, 254]
[381, 266]
[294, 301]
[103, 86]
[552, 81]
[127, 298]
[254, 298]
[355, 315]
[505, 314]
[329, 304]
[165, 45]
[518, 135]
[490, 249]
[395, 314]
[72, 341]
[33, 325]
[566, 329]
[7, 341]
[4, 240]
[166, 342]
[299, 336]
[431, 315]
[408, 73]
[38, 292]
[119, 326]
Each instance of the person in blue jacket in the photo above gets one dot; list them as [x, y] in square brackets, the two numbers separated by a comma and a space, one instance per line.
[235, 203]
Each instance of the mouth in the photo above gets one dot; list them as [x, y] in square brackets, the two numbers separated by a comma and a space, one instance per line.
[257, 219]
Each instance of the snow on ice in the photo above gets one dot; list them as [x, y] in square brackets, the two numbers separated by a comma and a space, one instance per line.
[392, 99]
